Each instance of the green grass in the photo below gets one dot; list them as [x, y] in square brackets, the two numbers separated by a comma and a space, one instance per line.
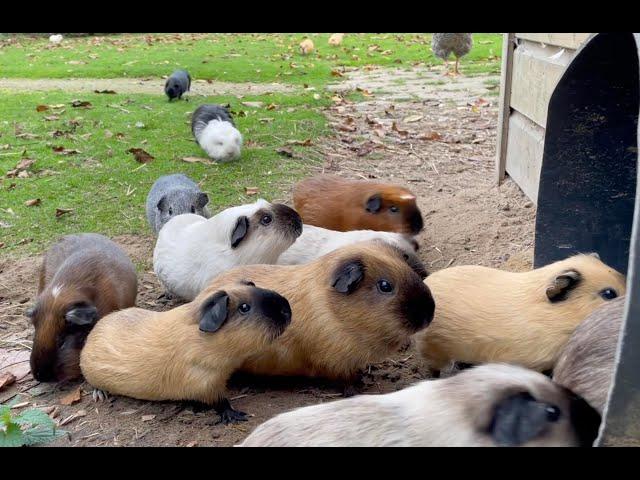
[104, 184]
[231, 57]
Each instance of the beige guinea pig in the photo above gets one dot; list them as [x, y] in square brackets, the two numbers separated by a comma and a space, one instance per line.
[587, 362]
[489, 315]
[486, 406]
[306, 46]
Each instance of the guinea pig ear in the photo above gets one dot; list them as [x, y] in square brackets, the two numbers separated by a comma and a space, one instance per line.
[31, 311]
[162, 203]
[374, 203]
[518, 419]
[348, 276]
[595, 254]
[214, 312]
[562, 285]
[240, 231]
[248, 282]
[202, 200]
[82, 315]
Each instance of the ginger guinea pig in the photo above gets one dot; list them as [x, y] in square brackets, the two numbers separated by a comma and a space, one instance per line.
[187, 353]
[81, 279]
[337, 203]
[191, 250]
[353, 306]
[490, 315]
[587, 362]
[487, 406]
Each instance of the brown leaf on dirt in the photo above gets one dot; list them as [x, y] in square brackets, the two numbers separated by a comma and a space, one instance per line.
[402, 133]
[34, 202]
[285, 151]
[430, 135]
[81, 104]
[364, 92]
[15, 362]
[140, 155]
[42, 108]
[108, 92]
[390, 110]
[365, 149]
[251, 190]
[72, 397]
[379, 131]
[6, 378]
[148, 418]
[63, 211]
[206, 161]
[302, 143]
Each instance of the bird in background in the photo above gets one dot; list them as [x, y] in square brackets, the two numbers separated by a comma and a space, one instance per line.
[444, 44]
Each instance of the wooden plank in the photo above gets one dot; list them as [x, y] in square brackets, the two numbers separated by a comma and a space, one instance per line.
[525, 147]
[505, 108]
[567, 40]
[535, 76]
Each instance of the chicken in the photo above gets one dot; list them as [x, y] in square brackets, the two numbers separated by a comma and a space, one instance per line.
[443, 44]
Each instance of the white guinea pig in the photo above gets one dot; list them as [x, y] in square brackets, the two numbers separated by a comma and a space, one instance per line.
[489, 405]
[192, 250]
[216, 133]
[316, 242]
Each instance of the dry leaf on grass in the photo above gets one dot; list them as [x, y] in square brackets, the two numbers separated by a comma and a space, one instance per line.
[34, 202]
[80, 104]
[72, 397]
[63, 211]
[302, 143]
[336, 73]
[52, 118]
[272, 106]
[206, 161]
[140, 155]
[42, 108]
[285, 151]
[65, 151]
[110, 92]
[252, 104]
[251, 190]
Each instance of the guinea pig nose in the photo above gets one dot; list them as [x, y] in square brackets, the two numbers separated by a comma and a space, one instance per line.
[43, 372]
[416, 222]
[419, 307]
[276, 307]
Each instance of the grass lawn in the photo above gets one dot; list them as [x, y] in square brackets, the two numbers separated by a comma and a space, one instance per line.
[104, 185]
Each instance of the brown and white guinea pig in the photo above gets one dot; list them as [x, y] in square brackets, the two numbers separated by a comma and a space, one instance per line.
[187, 353]
[336, 203]
[587, 362]
[81, 279]
[489, 315]
[487, 406]
[353, 306]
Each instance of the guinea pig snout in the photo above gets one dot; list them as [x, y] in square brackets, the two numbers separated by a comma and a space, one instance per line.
[288, 216]
[276, 308]
[43, 365]
[419, 307]
[415, 222]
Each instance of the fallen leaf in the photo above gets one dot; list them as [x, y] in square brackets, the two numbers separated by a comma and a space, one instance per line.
[24, 164]
[413, 118]
[15, 361]
[336, 73]
[140, 155]
[6, 378]
[284, 151]
[34, 202]
[28, 136]
[2, 244]
[193, 443]
[148, 418]
[402, 133]
[6, 146]
[110, 92]
[80, 104]
[71, 418]
[52, 118]
[272, 106]
[430, 135]
[63, 211]
[252, 104]
[196, 160]
[266, 120]
[302, 143]
[72, 397]
[42, 108]
[76, 62]
[379, 131]
[65, 151]
[251, 190]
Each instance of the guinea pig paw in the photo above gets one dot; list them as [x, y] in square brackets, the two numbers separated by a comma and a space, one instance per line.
[230, 416]
[99, 395]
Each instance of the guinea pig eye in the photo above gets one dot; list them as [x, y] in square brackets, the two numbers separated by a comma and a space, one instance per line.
[553, 413]
[244, 308]
[394, 209]
[170, 211]
[385, 286]
[266, 219]
[608, 294]
[193, 209]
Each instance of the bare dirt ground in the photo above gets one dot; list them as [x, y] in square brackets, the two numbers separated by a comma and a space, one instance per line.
[439, 139]
[138, 85]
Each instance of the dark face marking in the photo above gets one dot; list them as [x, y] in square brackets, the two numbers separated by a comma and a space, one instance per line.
[162, 203]
[288, 219]
[348, 276]
[374, 203]
[520, 418]
[562, 285]
[415, 222]
[214, 312]
[239, 231]
[202, 200]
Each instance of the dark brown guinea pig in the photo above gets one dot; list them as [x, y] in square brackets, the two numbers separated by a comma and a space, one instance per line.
[337, 203]
[82, 278]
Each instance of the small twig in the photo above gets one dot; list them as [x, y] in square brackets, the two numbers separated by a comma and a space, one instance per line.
[238, 397]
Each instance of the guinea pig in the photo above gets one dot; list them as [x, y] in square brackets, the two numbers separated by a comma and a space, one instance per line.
[173, 195]
[306, 46]
[316, 241]
[187, 353]
[488, 315]
[191, 250]
[216, 133]
[351, 307]
[81, 279]
[177, 84]
[337, 203]
[491, 405]
[336, 39]
[587, 362]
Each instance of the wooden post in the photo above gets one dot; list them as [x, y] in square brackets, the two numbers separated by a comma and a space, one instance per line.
[508, 44]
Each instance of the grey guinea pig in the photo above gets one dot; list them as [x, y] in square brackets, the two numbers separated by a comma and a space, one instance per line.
[173, 195]
[177, 84]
